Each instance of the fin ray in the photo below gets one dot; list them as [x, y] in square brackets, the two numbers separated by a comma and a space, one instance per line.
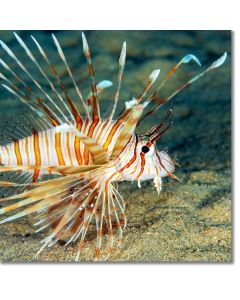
[128, 129]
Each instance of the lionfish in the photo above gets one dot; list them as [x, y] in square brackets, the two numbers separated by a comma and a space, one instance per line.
[63, 164]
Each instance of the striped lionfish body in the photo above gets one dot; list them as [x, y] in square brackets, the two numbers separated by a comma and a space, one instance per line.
[62, 163]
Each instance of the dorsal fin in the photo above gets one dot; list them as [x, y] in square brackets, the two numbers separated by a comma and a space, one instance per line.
[70, 106]
[185, 59]
[51, 85]
[61, 117]
[94, 96]
[54, 97]
[18, 127]
[127, 130]
[122, 59]
[61, 54]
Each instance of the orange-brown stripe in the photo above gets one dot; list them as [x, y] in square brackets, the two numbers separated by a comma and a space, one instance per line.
[58, 148]
[161, 164]
[170, 73]
[90, 134]
[77, 144]
[53, 119]
[76, 115]
[101, 131]
[47, 146]
[17, 153]
[142, 155]
[114, 129]
[77, 150]
[68, 147]
[26, 150]
[133, 158]
[37, 155]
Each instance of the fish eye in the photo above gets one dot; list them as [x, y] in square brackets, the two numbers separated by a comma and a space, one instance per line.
[145, 149]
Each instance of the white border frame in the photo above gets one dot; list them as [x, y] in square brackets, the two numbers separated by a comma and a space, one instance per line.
[125, 281]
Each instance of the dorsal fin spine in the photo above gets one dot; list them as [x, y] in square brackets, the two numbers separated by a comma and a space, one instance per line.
[186, 59]
[62, 56]
[10, 53]
[122, 60]
[70, 104]
[93, 97]
[31, 56]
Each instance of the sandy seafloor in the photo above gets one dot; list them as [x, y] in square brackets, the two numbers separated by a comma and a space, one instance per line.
[190, 221]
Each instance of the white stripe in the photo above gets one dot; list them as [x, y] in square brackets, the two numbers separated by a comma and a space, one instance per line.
[106, 134]
[43, 148]
[22, 150]
[13, 159]
[51, 147]
[64, 149]
[31, 150]
[4, 155]
[85, 131]
[72, 150]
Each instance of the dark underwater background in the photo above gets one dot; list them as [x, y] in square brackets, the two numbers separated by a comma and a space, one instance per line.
[189, 221]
